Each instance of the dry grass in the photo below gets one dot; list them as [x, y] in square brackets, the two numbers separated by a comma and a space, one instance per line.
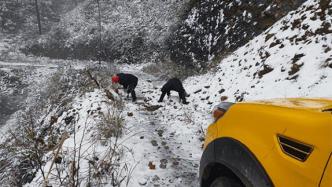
[111, 125]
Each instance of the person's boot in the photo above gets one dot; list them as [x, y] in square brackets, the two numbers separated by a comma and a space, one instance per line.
[133, 95]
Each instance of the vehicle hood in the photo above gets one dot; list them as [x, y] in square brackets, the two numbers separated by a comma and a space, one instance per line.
[312, 104]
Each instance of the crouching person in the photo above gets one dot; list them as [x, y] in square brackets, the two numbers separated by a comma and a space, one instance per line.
[175, 85]
[128, 81]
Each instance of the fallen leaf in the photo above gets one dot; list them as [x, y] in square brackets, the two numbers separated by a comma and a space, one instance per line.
[151, 165]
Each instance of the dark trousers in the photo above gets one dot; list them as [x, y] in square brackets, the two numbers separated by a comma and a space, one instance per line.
[182, 96]
[131, 90]
[163, 95]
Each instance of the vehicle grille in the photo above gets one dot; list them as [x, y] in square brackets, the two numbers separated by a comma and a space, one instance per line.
[294, 148]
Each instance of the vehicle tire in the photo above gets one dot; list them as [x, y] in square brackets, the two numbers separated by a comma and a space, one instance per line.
[225, 182]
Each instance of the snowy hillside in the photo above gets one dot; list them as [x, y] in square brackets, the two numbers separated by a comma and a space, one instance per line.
[214, 28]
[19, 17]
[291, 59]
[132, 31]
[187, 32]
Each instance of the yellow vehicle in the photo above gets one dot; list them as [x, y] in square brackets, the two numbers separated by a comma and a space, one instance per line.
[280, 142]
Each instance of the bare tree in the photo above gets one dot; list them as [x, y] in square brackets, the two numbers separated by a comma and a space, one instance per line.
[38, 17]
[99, 24]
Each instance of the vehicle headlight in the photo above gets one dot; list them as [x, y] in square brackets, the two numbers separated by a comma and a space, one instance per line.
[217, 113]
[219, 110]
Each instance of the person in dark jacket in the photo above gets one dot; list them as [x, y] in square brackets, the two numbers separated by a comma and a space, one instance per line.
[128, 81]
[175, 85]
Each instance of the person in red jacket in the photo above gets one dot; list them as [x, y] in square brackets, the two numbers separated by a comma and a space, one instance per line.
[128, 81]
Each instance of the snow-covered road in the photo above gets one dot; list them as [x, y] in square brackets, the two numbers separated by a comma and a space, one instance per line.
[164, 143]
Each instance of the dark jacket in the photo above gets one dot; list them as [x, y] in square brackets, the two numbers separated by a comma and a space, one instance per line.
[127, 79]
[129, 82]
[173, 84]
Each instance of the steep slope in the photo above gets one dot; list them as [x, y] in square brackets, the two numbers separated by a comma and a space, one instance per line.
[44, 101]
[214, 28]
[292, 58]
